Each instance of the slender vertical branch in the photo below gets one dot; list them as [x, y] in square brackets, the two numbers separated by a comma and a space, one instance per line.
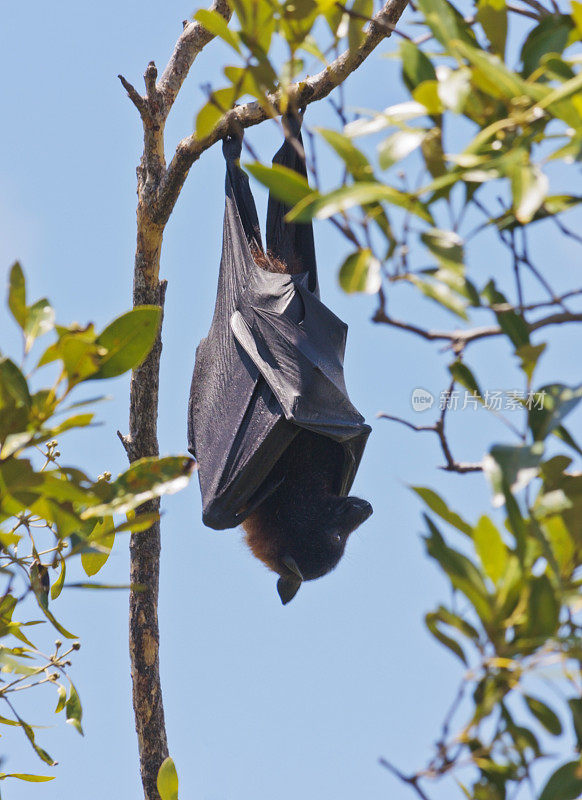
[144, 549]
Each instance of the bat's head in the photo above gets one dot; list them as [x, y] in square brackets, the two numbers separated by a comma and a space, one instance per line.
[300, 530]
[316, 541]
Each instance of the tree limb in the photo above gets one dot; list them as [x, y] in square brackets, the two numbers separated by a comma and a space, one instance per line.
[460, 338]
[193, 39]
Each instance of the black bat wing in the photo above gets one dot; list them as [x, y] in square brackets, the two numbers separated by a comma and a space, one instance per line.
[236, 430]
[271, 364]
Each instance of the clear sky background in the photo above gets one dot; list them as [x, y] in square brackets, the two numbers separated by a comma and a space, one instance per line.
[261, 701]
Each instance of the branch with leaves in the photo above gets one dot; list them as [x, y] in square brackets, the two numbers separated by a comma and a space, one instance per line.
[51, 513]
[464, 167]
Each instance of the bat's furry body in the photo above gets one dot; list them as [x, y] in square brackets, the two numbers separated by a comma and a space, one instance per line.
[276, 438]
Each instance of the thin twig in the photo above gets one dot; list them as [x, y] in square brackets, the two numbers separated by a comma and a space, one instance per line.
[523, 12]
[460, 338]
[409, 780]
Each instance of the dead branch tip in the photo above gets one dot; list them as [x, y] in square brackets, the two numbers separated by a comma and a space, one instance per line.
[135, 97]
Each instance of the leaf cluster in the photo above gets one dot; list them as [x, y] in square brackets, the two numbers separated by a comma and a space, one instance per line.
[51, 513]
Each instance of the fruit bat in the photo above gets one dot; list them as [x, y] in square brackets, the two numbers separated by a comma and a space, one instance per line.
[270, 424]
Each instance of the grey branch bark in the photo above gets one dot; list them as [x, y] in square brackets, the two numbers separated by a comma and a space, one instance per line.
[158, 188]
[458, 339]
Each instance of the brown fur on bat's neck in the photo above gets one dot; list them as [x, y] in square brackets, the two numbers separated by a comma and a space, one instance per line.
[308, 471]
[271, 263]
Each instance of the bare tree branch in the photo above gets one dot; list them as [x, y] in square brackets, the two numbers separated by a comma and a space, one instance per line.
[460, 338]
[192, 41]
[139, 102]
[409, 780]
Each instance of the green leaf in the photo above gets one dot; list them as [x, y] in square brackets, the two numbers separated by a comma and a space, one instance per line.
[445, 22]
[562, 433]
[217, 26]
[360, 272]
[557, 401]
[492, 76]
[441, 293]
[250, 80]
[40, 319]
[284, 183]
[393, 115]
[207, 119]
[355, 161]
[57, 586]
[61, 700]
[438, 505]
[549, 36]
[361, 193]
[416, 66]
[128, 340]
[463, 375]
[221, 101]
[13, 385]
[529, 355]
[135, 587]
[490, 548]
[360, 8]
[511, 467]
[447, 246]
[530, 187]
[29, 733]
[553, 205]
[144, 480]
[551, 503]
[432, 152]
[167, 781]
[512, 324]
[137, 523]
[397, 146]
[561, 543]
[565, 783]
[74, 710]
[432, 623]
[78, 351]
[543, 610]
[104, 536]
[462, 573]
[563, 92]
[544, 715]
[76, 421]
[23, 776]
[17, 294]
[492, 14]
[427, 94]
[5, 721]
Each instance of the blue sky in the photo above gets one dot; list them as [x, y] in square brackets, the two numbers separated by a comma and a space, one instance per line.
[261, 700]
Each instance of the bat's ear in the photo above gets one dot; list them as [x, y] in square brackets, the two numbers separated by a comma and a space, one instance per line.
[288, 586]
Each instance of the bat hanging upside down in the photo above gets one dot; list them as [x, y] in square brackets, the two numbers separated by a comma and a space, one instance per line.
[277, 441]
